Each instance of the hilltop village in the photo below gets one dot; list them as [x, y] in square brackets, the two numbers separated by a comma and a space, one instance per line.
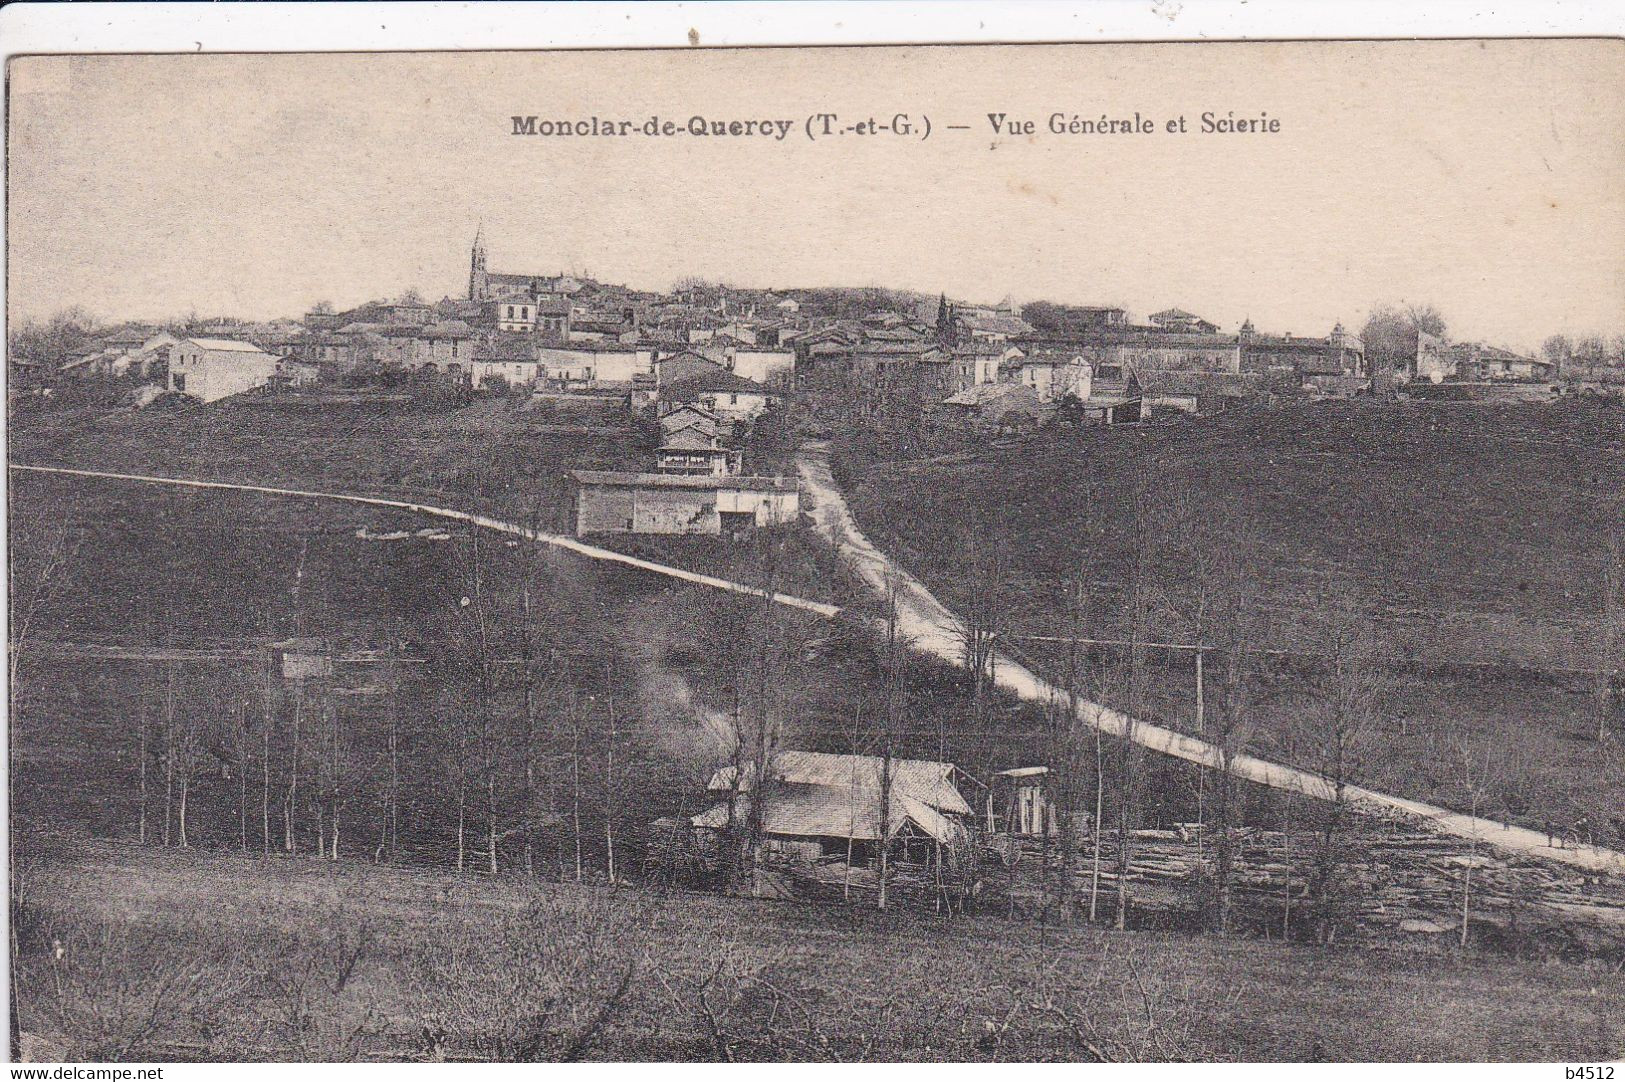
[706, 361]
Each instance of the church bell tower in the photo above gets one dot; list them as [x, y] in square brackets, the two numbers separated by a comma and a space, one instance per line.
[476, 267]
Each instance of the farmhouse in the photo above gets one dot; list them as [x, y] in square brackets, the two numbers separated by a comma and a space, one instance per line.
[1487, 363]
[216, 368]
[692, 450]
[689, 379]
[693, 416]
[1052, 373]
[659, 503]
[595, 363]
[821, 806]
[505, 360]
[1006, 405]
[1338, 354]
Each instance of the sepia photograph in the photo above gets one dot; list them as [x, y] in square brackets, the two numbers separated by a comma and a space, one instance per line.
[1094, 552]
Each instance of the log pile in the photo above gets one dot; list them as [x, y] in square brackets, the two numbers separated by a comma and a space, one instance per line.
[1397, 879]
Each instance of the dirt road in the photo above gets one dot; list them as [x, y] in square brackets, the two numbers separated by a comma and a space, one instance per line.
[934, 630]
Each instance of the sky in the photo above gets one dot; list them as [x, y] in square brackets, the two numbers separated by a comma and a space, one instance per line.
[1484, 178]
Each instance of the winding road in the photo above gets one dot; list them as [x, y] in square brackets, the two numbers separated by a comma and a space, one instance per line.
[933, 629]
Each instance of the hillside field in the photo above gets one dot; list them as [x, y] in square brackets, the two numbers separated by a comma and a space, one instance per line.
[1474, 535]
[301, 959]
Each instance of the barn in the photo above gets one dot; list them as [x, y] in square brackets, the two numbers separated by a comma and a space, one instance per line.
[613, 502]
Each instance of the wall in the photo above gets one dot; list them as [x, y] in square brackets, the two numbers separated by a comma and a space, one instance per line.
[609, 509]
[771, 508]
[680, 510]
[618, 366]
[761, 365]
[734, 406]
[213, 376]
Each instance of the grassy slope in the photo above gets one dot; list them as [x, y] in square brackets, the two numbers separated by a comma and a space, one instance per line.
[1453, 511]
[1475, 532]
[908, 987]
[489, 454]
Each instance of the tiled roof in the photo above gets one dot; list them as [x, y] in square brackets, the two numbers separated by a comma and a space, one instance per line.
[999, 324]
[1155, 381]
[618, 479]
[985, 394]
[506, 348]
[692, 437]
[454, 328]
[926, 781]
[1050, 357]
[819, 811]
[225, 345]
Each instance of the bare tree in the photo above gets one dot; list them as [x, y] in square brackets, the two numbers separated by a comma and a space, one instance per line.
[244, 752]
[1610, 637]
[1145, 479]
[290, 795]
[1480, 773]
[389, 829]
[334, 773]
[891, 716]
[532, 680]
[610, 736]
[267, 720]
[43, 547]
[985, 571]
[290, 799]
[1125, 1012]
[186, 750]
[1070, 752]
[568, 967]
[1337, 727]
[576, 741]
[475, 666]
[1232, 723]
[142, 753]
[169, 753]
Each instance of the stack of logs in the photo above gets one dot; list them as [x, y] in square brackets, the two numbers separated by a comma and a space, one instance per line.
[1394, 878]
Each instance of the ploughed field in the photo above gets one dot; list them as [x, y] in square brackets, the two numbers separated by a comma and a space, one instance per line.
[1474, 534]
[220, 956]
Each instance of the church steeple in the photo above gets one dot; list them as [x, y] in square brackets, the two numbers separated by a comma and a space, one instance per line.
[476, 266]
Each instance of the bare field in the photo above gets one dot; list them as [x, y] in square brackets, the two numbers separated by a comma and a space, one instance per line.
[439, 965]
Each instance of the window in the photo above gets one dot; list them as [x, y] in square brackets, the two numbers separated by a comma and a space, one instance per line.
[180, 382]
[510, 311]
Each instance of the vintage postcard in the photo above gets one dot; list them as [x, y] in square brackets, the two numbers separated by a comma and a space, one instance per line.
[1102, 552]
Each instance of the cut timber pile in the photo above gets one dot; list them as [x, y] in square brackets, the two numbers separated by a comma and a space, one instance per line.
[1396, 878]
